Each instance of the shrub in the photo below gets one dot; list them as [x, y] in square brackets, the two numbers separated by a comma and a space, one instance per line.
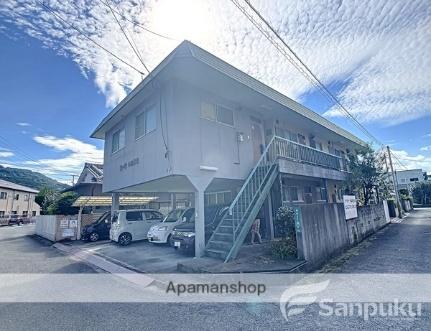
[285, 223]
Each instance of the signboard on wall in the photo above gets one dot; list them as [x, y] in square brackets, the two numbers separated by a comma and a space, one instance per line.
[350, 208]
[73, 223]
[64, 223]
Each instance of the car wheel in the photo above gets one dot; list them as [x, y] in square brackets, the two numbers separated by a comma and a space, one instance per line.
[170, 241]
[124, 239]
[94, 236]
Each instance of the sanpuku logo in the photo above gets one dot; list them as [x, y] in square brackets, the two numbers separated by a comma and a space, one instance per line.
[295, 299]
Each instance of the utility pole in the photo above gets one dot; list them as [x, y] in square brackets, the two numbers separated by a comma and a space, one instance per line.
[395, 183]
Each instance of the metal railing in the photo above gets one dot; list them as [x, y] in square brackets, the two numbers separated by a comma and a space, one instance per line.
[251, 187]
[262, 175]
[288, 149]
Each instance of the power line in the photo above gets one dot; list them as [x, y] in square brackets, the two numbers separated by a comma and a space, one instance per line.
[136, 23]
[136, 51]
[52, 11]
[301, 66]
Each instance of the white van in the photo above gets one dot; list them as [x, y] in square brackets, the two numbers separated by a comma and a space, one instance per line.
[133, 224]
[162, 233]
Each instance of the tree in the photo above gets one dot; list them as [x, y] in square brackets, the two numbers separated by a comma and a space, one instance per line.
[63, 204]
[422, 193]
[367, 175]
[46, 197]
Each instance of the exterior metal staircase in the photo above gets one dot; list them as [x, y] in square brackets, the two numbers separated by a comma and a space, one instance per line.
[232, 230]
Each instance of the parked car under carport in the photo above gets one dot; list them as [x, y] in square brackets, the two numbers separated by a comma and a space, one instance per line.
[183, 235]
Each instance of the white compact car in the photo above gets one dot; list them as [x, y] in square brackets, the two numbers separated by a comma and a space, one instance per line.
[133, 224]
[162, 232]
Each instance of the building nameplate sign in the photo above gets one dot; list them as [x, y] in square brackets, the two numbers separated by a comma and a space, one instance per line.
[350, 208]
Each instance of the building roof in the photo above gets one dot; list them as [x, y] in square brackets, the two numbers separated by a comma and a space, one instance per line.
[96, 173]
[95, 169]
[16, 187]
[188, 49]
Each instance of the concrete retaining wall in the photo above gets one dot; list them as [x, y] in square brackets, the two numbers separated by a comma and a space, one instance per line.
[325, 232]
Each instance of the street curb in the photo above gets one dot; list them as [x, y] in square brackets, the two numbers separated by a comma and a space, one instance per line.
[108, 266]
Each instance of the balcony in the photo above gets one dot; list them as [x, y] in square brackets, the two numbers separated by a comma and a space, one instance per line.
[307, 161]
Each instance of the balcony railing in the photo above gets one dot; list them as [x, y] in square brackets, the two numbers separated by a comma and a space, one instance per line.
[288, 149]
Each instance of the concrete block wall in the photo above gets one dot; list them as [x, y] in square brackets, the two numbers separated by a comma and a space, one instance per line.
[325, 233]
[370, 219]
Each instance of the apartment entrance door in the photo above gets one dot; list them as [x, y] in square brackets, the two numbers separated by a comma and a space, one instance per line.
[257, 138]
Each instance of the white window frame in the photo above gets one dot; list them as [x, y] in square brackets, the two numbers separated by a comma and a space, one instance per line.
[144, 124]
[215, 196]
[119, 140]
[216, 112]
[3, 195]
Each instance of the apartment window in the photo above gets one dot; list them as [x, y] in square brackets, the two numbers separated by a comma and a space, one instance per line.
[25, 213]
[319, 146]
[25, 197]
[118, 140]
[293, 194]
[146, 122]
[3, 195]
[403, 180]
[414, 179]
[225, 115]
[217, 113]
[301, 139]
[33, 213]
[208, 111]
[308, 194]
[218, 198]
[321, 193]
[312, 141]
[2, 213]
[16, 196]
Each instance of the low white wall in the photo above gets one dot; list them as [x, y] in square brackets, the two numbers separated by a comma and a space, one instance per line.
[46, 226]
[57, 227]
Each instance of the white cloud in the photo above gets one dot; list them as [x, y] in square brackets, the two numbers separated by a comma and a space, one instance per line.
[411, 161]
[379, 49]
[78, 153]
[6, 154]
[23, 124]
[426, 148]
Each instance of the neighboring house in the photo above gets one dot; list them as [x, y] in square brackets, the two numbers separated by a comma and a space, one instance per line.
[89, 182]
[197, 124]
[17, 200]
[407, 179]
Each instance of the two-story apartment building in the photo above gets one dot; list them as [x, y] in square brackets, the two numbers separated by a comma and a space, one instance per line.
[198, 125]
[17, 200]
[408, 179]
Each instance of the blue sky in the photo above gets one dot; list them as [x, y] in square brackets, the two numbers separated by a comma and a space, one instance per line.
[56, 85]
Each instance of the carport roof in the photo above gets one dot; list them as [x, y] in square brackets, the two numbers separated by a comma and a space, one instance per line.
[96, 201]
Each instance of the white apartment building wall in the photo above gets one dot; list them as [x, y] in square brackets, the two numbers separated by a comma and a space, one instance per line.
[17, 199]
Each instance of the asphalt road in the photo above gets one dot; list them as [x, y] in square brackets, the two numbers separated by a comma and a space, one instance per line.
[399, 248]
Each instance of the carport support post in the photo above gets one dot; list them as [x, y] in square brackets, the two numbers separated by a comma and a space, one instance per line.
[78, 235]
[115, 203]
[199, 223]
